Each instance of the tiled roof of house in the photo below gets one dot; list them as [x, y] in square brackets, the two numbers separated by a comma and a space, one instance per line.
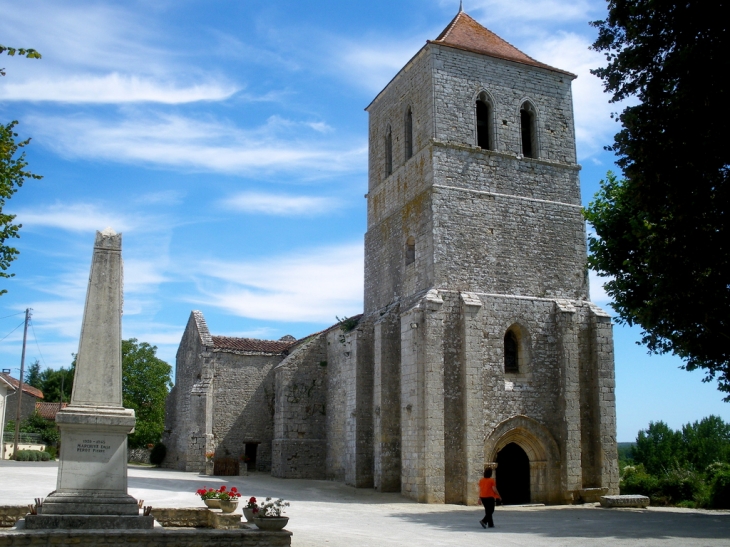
[49, 410]
[251, 345]
[30, 390]
[465, 33]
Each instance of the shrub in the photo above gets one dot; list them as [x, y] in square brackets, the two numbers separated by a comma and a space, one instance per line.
[31, 456]
[680, 484]
[52, 452]
[157, 456]
[720, 489]
[636, 480]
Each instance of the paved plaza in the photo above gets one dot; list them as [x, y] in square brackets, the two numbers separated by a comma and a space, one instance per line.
[329, 513]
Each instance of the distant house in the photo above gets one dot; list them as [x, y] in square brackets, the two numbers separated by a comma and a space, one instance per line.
[31, 396]
[49, 410]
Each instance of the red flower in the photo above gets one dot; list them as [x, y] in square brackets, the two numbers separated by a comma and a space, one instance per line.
[252, 500]
[222, 489]
[234, 489]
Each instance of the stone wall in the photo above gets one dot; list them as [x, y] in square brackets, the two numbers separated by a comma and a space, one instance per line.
[243, 405]
[300, 435]
[27, 406]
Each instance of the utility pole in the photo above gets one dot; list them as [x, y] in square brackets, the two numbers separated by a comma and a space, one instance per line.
[20, 384]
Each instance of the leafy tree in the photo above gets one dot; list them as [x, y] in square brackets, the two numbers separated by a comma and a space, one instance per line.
[658, 448]
[33, 375]
[706, 442]
[662, 231]
[13, 174]
[146, 383]
[51, 382]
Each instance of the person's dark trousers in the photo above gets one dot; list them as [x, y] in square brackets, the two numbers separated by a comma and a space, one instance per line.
[488, 504]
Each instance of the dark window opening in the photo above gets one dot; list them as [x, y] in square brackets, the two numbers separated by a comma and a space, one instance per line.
[410, 250]
[388, 154]
[409, 134]
[527, 123]
[483, 125]
[511, 353]
[250, 455]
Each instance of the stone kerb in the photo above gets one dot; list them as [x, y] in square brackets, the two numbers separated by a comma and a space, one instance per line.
[625, 501]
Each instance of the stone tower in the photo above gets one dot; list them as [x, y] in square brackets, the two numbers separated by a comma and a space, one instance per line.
[479, 342]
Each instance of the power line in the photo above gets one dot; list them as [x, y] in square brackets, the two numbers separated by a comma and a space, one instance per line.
[12, 331]
[12, 315]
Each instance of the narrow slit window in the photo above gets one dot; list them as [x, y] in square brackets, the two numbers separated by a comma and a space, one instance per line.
[388, 153]
[511, 353]
[409, 134]
[410, 250]
[527, 126]
[484, 116]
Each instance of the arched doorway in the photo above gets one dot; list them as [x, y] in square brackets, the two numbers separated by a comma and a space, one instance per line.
[513, 475]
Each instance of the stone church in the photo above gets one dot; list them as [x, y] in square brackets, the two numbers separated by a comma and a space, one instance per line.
[478, 345]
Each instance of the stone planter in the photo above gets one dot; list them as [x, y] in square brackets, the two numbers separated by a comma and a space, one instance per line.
[271, 524]
[209, 467]
[228, 506]
[242, 469]
[248, 513]
[212, 503]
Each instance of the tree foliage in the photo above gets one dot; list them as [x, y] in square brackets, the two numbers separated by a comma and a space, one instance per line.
[13, 174]
[146, 383]
[51, 381]
[661, 232]
[33, 375]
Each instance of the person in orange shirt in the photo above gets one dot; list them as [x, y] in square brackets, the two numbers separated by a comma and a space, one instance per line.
[488, 494]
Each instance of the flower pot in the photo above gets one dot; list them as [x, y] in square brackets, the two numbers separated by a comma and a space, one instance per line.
[209, 467]
[213, 503]
[248, 513]
[270, 523]
[228, 506]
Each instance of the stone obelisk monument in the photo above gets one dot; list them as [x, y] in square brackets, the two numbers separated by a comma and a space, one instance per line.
[91, 491]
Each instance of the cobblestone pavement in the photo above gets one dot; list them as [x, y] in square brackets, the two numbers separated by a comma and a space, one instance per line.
[331, 514]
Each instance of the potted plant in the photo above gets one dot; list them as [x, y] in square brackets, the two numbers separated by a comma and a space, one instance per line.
[250, 509]
[210, 497]
[209, 464]
[228, 499]
[269, 517]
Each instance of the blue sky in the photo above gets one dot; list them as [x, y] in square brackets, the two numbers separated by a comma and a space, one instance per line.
[227, 140]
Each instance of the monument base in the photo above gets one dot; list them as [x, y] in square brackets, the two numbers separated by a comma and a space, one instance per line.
[88, 522]
[88, 502]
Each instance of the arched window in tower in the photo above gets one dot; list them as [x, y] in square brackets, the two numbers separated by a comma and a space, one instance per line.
[485, 137]
[388, 153]
[409, 134]
[529, 134]
[511, 353]
[410, 250]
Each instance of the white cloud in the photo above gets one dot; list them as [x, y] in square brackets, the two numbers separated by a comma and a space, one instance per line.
[371, 64]
[313, 286]
[177, 141]
[598, 293]
[97, 53]
[280, 204]
[76, 217]
[112, 88]
[593, 124]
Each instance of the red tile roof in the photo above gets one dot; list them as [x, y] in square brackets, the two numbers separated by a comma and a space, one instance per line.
[30, 390]
[465, 33]
[251, 345]
[49, 410]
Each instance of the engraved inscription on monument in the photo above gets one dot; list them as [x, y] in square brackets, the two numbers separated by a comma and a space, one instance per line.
[96, 446]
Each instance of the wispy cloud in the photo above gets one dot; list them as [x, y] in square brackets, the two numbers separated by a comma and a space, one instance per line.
[598, 293]
[176, 141]
[314, 286]
[280, 204]
[113, 88]
[75, 217]
[97, 53]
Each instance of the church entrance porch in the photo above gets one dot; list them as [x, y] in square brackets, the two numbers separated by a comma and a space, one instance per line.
[513, 475]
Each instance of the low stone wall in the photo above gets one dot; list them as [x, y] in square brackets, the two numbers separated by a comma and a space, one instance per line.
[159, 537]
[188, 517]
[10, 514]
